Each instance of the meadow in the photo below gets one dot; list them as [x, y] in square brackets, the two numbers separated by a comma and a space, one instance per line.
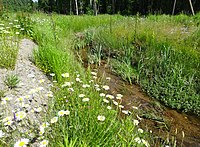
[159, 53]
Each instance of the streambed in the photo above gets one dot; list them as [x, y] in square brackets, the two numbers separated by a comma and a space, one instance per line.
[164, 123]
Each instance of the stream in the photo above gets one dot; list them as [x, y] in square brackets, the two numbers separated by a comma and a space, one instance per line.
[165, 123]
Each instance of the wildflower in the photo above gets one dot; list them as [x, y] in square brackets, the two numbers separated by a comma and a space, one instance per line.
[94, 73]
[20, 115]
[98, 89]
[94, 77]
[108, 78]
[42, 81]
[65, 75]
[52, 74]
[91, 81]
[109, 107]
[102, 94]
[17, 33]
[41, 132]
[1, 134]
[106, 101]
[54, 120]
[145, 143]
[37, 110]
[45, 125]
[119, 96]
[8, 123]
[78, 79]
[85, 86]
[121, 106]
[115, 103]
[67, 84]
[110, 96]
[39, 88]
[138, 140]
[96, 85]
[81, 95]
[140, 130]
[3, 102]
[101, 118]
[106, 87]
[20, 99]
[138, 117]
[71, 89]
[7, 98]
[125, 111]
[85, 99]
[22, 143]
[62, 112]
[44, 143]
[135, 107]
[7, 119]
[135, 122]
[49, 94]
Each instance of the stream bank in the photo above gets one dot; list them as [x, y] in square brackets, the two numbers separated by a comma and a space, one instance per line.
[164, 123]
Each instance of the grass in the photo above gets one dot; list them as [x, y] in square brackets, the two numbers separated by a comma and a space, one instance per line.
[11, 81]
[74, 120]
[81, 127]
[161, 53]
[11, 30]
[148, 51]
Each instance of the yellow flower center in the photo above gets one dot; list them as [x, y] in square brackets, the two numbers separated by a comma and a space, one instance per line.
[21, 143]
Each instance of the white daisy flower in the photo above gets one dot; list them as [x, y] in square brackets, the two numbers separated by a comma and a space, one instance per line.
[106, 87]
[65, 75]
[135, 107]
[85, 99]
[62, 112]
[20, 115]
[7, 119]
[101, 117]
[94, 73]
[7, 99]
[42, 81]
[106, 101]
[121, 106]
[135, 122]
[125, 111]
[22, 142]
[44, 143]
[110, 96]
[109, 107]
[54, 120]
[115, 103]
[8, 123]
[102, 94]
[81, 95]
[140, 130]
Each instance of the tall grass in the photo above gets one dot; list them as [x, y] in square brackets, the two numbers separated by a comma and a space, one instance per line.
[82, 127]
[164, 57]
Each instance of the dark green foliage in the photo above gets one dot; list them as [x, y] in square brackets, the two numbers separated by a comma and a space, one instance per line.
[124, 7]
[18, 5]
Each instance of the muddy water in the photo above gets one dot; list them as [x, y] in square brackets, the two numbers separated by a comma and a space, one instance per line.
[165, 123]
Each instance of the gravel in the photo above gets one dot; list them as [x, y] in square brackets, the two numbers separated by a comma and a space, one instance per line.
[33, 88]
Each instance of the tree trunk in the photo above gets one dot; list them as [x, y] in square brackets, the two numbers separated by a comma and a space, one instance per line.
[76, 5]
[174, 7]
[95, 7]
[113, 6]
[191, 7]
